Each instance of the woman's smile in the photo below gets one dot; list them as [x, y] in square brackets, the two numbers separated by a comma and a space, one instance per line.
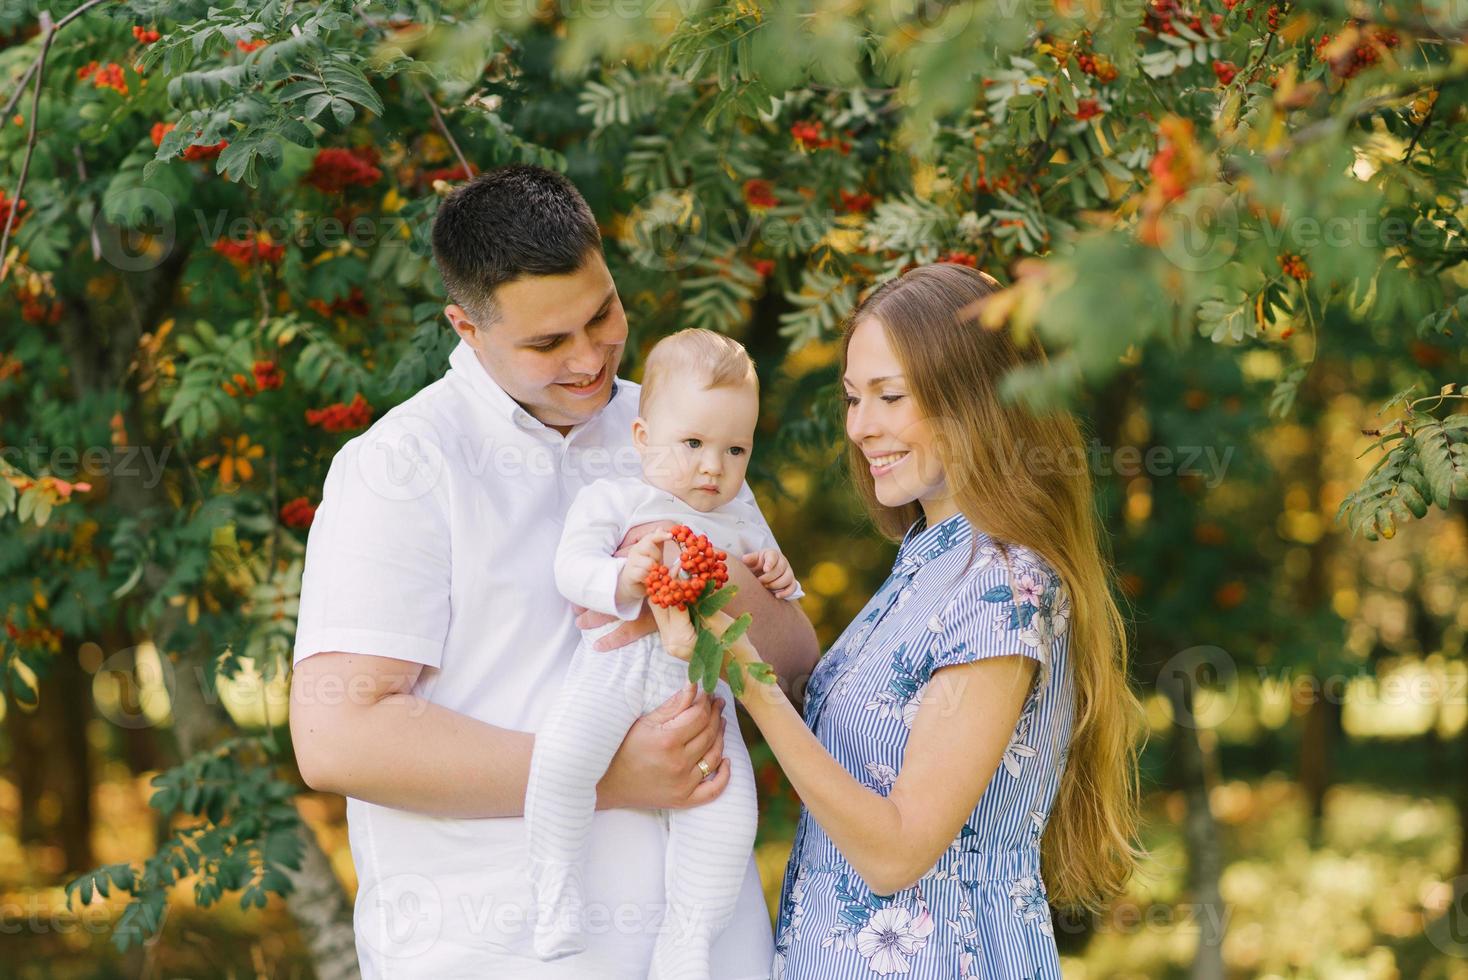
[883, 464]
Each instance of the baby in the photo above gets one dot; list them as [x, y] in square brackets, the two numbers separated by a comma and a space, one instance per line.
[700, 401]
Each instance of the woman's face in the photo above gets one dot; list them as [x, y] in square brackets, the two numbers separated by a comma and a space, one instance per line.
[884, 421]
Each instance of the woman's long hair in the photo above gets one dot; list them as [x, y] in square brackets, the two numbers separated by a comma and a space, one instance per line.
[954, 367]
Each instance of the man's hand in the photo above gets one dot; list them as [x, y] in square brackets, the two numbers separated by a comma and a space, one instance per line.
[773, 571]
[656, 766]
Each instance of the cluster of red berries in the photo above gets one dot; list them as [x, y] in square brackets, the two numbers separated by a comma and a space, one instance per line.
[1163, 16]
[341, 417]
[765, 267]
[265, 376]
[811, 135]
[960, 258]
[5, 204]
[335, 169]
[760, 194]
[1370, 42]
[858, 203]
[39, 311]
[246, 252]
[104, 76]
[268, 375]
[1098, 66]
[34, 637]
[248, 46]
[144, 35]
[201, 151]
[297, 513]
[1225, 71]
[353, 304]
[1169, 171]
[1087, 109]
[700, 559]
[1294, 266]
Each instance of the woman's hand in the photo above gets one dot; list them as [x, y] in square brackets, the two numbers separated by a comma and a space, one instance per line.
[676, 628]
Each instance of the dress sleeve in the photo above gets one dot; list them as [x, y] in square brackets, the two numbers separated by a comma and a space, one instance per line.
[1000, 609]
[378, 555]
[586, 571]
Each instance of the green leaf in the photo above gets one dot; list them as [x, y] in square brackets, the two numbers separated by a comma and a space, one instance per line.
[713, 601]
[736, 629]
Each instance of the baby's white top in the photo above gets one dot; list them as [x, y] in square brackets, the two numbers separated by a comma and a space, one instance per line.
[602, 513]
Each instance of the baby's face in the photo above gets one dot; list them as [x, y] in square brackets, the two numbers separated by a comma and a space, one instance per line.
[695, 443]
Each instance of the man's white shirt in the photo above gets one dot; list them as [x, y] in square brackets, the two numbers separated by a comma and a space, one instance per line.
[435, 543]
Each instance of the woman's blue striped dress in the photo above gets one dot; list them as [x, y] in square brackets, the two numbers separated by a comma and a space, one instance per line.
[981, 911]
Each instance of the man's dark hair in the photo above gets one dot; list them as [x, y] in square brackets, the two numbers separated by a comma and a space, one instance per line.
[507, 224]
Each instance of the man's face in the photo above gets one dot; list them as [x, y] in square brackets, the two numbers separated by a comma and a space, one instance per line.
[695, 442]
[557, 343]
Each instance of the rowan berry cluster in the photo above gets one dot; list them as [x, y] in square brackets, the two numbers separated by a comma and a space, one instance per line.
[197, 152]
[243, 253]
[145, 35]
[1098, 66]
[760, 194]
[6, 203]
[1294, 266]
[335, 169]
[297, 513]
[1225, 71]
[268, 375]
[1087, 109]
[702, 562]
[340, 417]
[1370, 43]
[104, 76]
[811, 135]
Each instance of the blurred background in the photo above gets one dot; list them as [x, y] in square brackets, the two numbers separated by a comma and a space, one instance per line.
[1236, 226]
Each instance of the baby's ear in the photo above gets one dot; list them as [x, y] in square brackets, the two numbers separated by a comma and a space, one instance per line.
[639, 433]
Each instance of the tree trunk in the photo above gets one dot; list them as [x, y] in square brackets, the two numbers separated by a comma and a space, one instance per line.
[1193, 774]
[26, 765]
[70, 706]
[1317, 740]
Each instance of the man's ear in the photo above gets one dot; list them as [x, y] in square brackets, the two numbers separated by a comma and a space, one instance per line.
[463, 326]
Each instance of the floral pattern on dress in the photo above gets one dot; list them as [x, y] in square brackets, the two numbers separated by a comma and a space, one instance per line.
[954, 596]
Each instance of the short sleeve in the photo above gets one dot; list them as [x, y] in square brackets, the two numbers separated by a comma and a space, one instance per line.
[378, 559]
[1002, 608]
[759, 535]
[586, 571]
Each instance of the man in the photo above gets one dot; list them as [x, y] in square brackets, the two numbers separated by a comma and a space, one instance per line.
[432, 641]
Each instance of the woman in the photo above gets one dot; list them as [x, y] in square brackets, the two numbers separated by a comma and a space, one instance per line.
[976, 712]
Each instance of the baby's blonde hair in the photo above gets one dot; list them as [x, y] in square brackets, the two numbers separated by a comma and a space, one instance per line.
[712, 358]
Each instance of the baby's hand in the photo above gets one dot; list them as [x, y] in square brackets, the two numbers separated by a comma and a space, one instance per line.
[772, 570]
[647, 552]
